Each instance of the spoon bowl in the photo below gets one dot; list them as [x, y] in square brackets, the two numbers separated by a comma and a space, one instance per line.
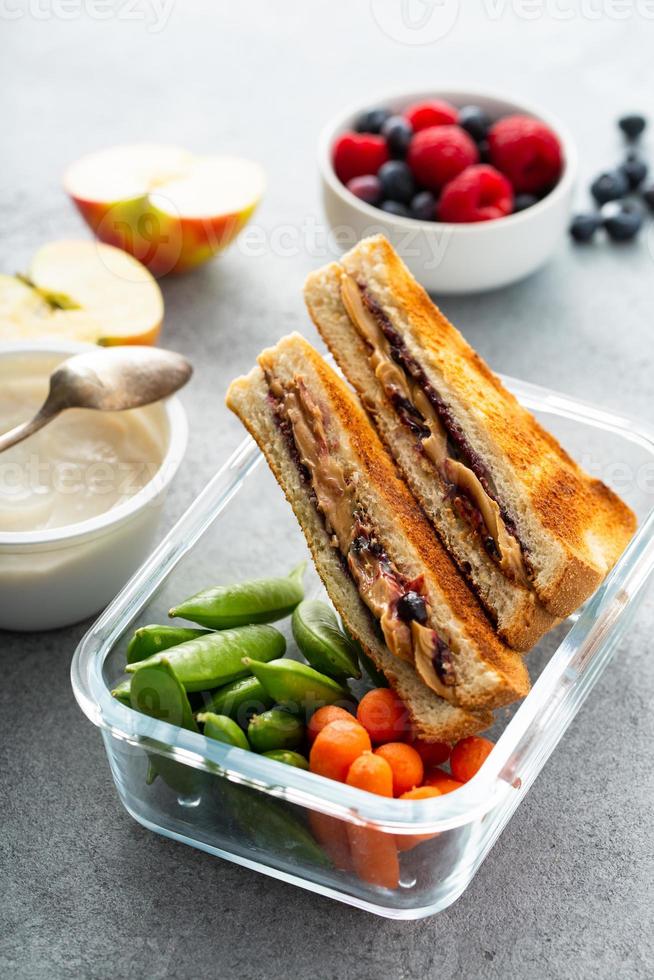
[107, 380]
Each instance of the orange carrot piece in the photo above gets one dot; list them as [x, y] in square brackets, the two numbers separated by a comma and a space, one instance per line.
[331, 833]
[406, 765]
[336, 747]
[325, 716]
[383, 715]
[374, 854]
[441, 780]
[468, 756]
[405, 842]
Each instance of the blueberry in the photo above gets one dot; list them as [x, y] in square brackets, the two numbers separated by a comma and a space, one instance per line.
[648, 196]
[398, 132]
[366, 188]
[625, 225]
[632, 125]
[394, 207]
[412, 606]
[524, 201]
[609, 186]
[423, 206]
[584, 226]
[397, 183]
[635, 170]
[484, 151]
[371, 121]
[475, 121]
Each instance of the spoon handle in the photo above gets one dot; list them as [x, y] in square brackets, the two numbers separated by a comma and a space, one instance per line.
[25, 429]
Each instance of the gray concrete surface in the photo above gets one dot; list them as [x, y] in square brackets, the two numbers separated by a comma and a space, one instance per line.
[85, 891]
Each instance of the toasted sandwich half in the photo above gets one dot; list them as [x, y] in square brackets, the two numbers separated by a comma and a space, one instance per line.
[392, 582]
[533, 533]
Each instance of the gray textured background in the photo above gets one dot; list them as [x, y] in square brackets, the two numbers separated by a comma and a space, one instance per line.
[85, 891]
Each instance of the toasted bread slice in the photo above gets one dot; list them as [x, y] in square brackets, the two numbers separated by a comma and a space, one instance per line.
[370, 535]
[566, 528]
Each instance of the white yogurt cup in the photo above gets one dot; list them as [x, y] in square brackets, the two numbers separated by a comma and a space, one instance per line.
[53, 577]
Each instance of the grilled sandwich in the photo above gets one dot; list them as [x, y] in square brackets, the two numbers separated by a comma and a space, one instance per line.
[395, 587]
[531, 531]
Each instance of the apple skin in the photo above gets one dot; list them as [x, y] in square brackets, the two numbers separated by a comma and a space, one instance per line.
[163, 242]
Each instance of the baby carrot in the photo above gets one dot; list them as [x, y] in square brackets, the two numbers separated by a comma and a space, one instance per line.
[405, 842]
[383, 715]
[374, 854]
[468, 756]
[332, 835]
[372, 773]
[442, 781]
[336, 747]
[323, 717]
[406, 765]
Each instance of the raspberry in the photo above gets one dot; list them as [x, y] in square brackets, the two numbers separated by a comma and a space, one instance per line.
[435, 112]
[527, 151]
[479, 193]
[436, 155]
[357, 154]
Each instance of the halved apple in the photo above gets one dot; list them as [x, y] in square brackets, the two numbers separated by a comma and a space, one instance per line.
[82, 290]
[170, 209]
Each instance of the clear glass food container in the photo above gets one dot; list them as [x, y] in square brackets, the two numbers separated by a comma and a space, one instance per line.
[286, 822]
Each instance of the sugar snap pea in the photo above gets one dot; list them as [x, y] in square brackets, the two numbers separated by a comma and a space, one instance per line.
[290, 682]
[156, 691]
[373, 672]
[121, 692]
[240, 699]
[148, 640]
[272, 826]
[217, 658]
[258, 601]
[324, 645]
[222, 729]
[288, 757]
[275, 729]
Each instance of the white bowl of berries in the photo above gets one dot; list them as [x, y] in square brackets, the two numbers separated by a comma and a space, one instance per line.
[473, 190]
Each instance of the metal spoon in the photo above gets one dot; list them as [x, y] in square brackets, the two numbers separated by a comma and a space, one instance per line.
[109, 380]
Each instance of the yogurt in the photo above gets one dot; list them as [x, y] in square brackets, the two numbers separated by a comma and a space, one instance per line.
[81, 465]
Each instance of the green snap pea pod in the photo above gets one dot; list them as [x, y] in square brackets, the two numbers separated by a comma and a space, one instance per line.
[222, 729]
[275, 729]
[288, 757]
[272, 827]
[323, 644]
[148, 640]
[240, 699]
[156, 691]
[217, 658]
[259, 601]
[121, 692]
[290, 682]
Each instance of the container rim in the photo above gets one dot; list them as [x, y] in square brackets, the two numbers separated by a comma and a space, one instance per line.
[70, 534]
[519, 753]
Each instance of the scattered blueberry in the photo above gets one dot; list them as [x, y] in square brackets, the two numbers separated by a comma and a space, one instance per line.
[484, 151]
[648, 196]
[475, 121]
[366, 188]
[584, 226]
[632, 125]
[371, 121]
[394, 207]
[625, 225]
[635, 170]
[397, 181]
[423, 206]
[609, 186]
[398, 132]
[523, 201]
